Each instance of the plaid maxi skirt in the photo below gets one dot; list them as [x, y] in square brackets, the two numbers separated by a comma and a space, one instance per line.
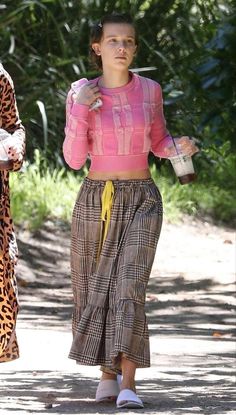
[109, 282]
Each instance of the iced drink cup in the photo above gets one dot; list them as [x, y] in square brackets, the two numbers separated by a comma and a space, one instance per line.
[183, 167]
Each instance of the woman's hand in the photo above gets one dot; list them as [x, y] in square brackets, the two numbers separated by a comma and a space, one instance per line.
[183, 145]
[16, 151]
[12, 144]
[87, 94]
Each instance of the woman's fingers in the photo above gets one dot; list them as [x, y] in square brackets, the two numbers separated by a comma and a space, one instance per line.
[87, 94]
[15, 152]
[92, 86]
[182, 145]
[187, 145]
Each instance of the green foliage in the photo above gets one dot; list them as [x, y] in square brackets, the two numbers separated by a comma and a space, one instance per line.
[40, 192]
[218, 84]
[39, 49]
[44, 45]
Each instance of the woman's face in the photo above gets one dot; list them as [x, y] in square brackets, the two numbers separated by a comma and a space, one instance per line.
[117, 46]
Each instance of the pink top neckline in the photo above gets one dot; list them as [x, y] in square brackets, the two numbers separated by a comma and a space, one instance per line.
[125, 88]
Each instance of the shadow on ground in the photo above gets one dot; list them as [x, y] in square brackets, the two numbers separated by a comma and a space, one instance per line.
[65, 394]
[175, 306]
[197, 308]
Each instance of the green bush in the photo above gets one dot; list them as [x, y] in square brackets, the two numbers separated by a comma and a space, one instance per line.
[40, 192]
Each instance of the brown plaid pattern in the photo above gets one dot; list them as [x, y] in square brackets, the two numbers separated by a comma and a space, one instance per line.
[109, 293]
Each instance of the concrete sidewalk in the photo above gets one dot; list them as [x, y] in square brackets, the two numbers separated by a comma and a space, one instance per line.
[191, 313]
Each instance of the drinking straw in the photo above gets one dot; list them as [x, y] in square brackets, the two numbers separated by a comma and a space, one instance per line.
[176, 149]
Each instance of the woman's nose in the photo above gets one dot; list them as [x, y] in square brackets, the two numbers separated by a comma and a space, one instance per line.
[122, 46]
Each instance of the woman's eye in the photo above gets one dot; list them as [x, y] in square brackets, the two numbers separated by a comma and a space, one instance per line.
[131, 42]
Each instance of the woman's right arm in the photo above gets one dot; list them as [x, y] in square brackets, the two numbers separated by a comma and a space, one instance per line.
[79, 99]
[75, 146]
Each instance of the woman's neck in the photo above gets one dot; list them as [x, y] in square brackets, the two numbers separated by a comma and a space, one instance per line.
[114, 79]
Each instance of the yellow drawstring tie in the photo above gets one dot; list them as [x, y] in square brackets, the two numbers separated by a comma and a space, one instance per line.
[107, 199]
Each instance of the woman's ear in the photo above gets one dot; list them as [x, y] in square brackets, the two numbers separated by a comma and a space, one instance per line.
[96, 48]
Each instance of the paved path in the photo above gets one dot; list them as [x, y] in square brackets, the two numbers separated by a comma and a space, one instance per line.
[191, 313]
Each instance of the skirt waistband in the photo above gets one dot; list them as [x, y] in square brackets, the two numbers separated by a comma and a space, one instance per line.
[118, 183]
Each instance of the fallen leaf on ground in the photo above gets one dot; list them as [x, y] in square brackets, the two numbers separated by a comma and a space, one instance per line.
[152, 298]
[217, 334]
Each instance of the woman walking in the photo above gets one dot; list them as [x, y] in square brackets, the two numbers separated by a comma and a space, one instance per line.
[117, 119]
[12, 146]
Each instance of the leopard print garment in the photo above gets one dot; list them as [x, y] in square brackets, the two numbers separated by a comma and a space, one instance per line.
[9, 121]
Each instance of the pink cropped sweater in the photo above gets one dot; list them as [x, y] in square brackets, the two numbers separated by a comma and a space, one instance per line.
[120, 134]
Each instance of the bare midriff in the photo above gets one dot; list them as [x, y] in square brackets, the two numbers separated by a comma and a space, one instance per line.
[120, 175]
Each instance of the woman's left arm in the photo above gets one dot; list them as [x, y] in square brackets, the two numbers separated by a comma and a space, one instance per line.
[11, 122]
[160, 137]
[162, 144]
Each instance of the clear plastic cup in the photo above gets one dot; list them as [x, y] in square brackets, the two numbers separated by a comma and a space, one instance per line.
[183, 167]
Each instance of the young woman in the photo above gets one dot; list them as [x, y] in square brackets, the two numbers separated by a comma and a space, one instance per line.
[12, 145]
[118, 213]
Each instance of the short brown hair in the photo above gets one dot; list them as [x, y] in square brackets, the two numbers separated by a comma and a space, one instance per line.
[97, 33]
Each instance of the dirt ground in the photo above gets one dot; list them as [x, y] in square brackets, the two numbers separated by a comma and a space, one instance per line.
[191, 313]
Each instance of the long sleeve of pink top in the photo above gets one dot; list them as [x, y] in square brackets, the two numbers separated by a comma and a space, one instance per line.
[120, 134]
